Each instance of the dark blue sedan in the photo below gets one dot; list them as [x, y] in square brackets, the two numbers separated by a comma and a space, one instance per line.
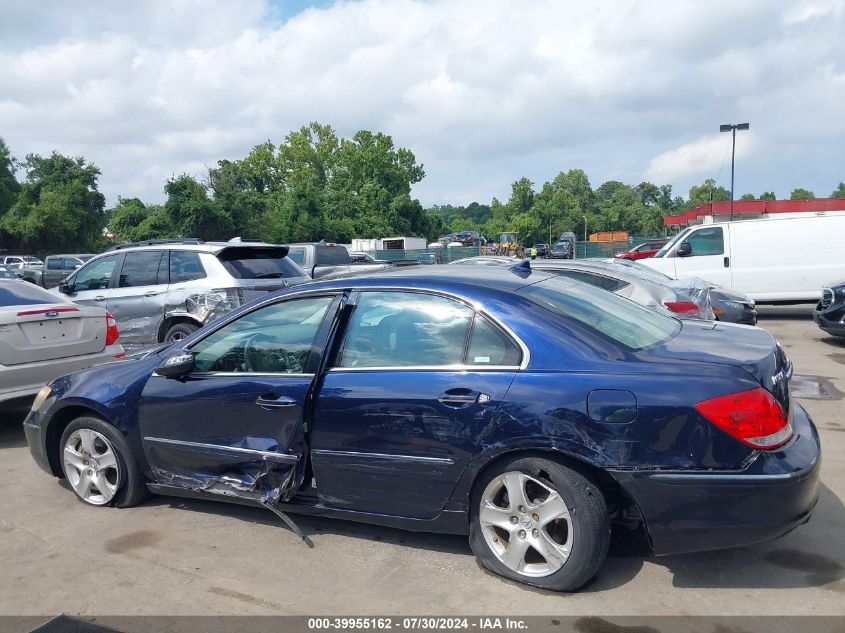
[531, 412]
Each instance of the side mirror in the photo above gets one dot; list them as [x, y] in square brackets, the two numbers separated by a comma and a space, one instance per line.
[684, 249]
[176, 365]
[65, 288]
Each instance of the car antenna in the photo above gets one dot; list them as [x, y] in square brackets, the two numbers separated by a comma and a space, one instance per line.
[523, 268]
[288, 521]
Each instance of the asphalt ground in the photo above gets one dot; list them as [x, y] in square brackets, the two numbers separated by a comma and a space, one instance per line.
[172, 556]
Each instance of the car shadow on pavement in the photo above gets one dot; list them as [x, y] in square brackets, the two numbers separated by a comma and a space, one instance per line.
[812, 555]
[11, 429]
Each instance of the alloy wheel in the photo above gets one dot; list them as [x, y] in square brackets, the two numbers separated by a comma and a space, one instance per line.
[526, 524]
[91, 467]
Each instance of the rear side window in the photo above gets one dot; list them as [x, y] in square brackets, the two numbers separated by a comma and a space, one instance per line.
[185, 266]
[140, 268]
[332, 255]
[20, 293]
[401, 329]
[297, 255]
[627, 323]
[259, 263]
[488, 345]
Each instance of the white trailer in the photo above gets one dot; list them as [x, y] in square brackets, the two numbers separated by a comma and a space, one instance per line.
[403, 243]
[364, 245]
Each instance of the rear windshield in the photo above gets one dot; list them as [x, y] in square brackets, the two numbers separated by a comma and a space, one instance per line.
[21, 293]
[259, 263]
[620, 320]
[332, 255]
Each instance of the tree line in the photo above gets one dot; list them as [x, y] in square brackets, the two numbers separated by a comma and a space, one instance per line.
[315, 185]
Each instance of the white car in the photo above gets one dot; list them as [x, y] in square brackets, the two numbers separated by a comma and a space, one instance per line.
[43, 336]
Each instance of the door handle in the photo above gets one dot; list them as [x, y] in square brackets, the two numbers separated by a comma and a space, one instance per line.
[99, 298]
[272, 401]
[151, 293]
[727, 262]
[462, 397]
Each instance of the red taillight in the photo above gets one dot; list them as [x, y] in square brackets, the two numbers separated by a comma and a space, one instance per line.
[684, 308]
[112, 333]
[754, 417]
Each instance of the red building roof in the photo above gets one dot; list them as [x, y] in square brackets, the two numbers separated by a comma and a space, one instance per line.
[754, 207]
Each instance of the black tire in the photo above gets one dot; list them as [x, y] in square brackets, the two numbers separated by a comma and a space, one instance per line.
[589, 517]
[179, 331]
[132, 489]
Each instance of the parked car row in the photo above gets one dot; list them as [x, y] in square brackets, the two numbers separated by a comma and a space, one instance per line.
[515, 404]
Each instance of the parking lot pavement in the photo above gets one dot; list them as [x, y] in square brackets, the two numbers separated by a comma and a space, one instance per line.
[173, 556]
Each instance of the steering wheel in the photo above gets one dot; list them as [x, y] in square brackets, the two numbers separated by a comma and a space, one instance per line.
[262, 354]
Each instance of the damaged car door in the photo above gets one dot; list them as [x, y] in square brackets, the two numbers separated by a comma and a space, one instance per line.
[236, 423]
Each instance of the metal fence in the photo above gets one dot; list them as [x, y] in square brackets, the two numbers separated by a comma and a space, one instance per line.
[583, 250]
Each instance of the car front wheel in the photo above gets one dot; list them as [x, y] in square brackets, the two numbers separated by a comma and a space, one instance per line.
[98, 464]
[538, 522]
[179, 331]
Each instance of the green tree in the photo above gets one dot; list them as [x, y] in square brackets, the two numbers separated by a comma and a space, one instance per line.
[190, 212]
[839, 192]
[9, 186]
[705, 193]
[768, 195]
[802, 194]
[126, 218]
[747, 196]
[59, 206]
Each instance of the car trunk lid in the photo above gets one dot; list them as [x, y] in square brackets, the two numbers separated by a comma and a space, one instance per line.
[34, 333]
[753, 349]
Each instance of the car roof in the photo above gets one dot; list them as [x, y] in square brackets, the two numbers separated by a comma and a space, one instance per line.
[442, 277]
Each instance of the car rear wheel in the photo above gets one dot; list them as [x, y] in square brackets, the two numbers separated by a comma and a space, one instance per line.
[538, 522]
[179, 331]
[99, 466]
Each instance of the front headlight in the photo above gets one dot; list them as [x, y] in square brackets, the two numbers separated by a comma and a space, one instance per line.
[41, 398]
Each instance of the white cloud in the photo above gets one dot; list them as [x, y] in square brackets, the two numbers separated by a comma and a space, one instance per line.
[707, 156]
[483, 91]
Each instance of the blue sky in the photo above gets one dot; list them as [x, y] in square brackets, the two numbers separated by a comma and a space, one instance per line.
[483, 91]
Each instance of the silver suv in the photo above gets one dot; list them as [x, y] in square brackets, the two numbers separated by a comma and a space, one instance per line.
[162, 290]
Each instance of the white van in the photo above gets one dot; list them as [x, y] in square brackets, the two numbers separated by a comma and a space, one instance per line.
[781, 258]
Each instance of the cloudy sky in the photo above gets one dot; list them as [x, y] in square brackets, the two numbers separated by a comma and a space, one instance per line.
[483, 91]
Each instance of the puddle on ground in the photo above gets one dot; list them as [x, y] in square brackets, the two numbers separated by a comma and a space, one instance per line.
[813, 388]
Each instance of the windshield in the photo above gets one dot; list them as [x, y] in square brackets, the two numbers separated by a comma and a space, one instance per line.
[562, 247]
[668, 246]
[622, 321]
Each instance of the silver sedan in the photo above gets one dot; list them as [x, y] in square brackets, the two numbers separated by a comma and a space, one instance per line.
[43, 337]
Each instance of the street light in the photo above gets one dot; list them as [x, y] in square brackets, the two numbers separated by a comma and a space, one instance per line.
[732, 128]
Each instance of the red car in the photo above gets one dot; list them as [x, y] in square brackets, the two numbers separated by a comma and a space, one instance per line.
[642, 251]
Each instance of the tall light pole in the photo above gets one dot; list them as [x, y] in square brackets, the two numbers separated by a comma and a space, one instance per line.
[585, 229]
[732, 128]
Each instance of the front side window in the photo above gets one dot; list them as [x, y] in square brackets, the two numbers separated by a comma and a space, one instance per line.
[140, 268]
[403, 329]
[95, 275]
[708, 241]
[275, 339]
